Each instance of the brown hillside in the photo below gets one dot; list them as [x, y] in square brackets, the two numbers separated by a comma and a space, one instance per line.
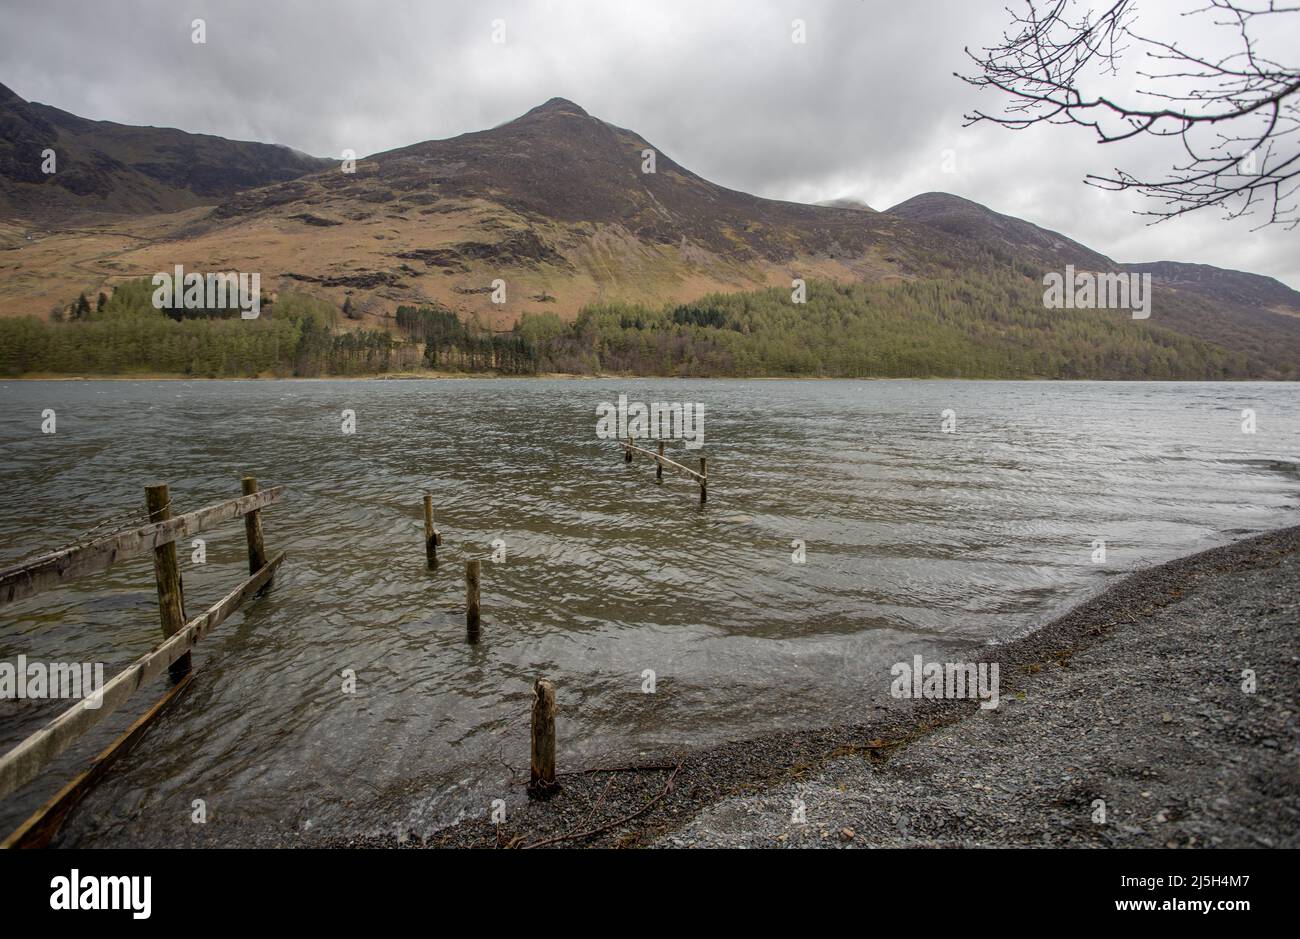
[554, 203]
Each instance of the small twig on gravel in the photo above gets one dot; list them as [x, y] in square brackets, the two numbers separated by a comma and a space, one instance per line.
[599, 802]
[668, 787]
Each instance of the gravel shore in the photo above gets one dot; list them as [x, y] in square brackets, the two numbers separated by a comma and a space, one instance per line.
[1134, 699]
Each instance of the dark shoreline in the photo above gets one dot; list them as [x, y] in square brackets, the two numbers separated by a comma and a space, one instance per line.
[433, 375]
[1244, 596]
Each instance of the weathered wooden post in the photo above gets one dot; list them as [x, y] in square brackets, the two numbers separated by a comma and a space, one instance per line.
[472, 569]
[432, 537]
[542, 783]
[627, 453]
[704, 481]
[659, 464]
[171, 601]
[253, 529]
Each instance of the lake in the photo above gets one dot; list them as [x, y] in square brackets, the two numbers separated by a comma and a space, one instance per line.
[913, 540]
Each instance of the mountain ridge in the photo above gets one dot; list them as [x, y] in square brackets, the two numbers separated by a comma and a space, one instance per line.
[566, 210]
[112, 168]
[957, 213]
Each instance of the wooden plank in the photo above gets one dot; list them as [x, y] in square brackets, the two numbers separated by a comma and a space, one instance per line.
[167, 571]
[473, 570]
[253, 529]
[666, 462]
[46, 821]
[431, 536]
[24, 762]
[60, 567]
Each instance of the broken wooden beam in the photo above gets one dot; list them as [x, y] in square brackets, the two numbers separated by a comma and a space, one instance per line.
[44, 823]
[167, 571]
[631, 448]
[24, 762]
[432, 537]
[472, 571]
[61, 567]
[542, 784]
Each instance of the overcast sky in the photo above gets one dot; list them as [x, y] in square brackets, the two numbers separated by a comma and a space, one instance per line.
[866, 108]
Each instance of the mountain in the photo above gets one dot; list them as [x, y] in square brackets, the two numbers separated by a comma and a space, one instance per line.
[558, 205]
[555, 203]
[971, 221]
[568, 199]
[116, 168]
[846, 204]
[1243, 312]
[1005, 234]
[1234, 288]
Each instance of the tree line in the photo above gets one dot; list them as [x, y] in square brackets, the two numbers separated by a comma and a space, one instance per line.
[981, 326]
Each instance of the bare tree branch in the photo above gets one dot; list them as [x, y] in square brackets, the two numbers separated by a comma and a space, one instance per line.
[1236, 116]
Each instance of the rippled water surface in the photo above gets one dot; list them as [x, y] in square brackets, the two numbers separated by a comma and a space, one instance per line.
[916, 541]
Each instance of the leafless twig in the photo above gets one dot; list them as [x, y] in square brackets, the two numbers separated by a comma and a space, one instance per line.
[1236, 117]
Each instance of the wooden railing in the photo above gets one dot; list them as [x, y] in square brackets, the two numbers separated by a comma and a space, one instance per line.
[24, 762]
[702, 477]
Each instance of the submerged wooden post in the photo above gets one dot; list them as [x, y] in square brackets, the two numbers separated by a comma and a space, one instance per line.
[432, 538]
[704, 481]
[627, 451]
[659, 464]
[542, 783]
[253, 530]
[171, 601]
[472, 569]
